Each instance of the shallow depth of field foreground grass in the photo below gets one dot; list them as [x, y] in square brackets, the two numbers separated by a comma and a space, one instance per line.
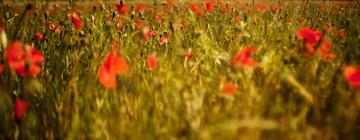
[180, 70]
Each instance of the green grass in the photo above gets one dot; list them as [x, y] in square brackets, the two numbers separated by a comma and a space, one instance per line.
[286, 96]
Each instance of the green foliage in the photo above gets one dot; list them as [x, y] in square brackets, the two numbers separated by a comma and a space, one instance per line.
[287, 96]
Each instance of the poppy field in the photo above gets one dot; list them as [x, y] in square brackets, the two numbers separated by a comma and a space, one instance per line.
[168, 69]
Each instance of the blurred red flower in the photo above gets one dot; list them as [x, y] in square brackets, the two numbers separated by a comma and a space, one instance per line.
[243, 58]
[39, 36]
[139, 7]
[352, 76]
[261, 8]
[194, 8]
[121, 8]
[16, 57]
[1, 68]
[21, 107]
[324, 50]
[209, 6]
[151, 61]
[24, 61]
[149, 35]
[164, 39]
[114, 64]
[158, 19]
[229, 88]
[341, 33]
[76, 20]
[35, 58]
[311, 38]
[106, 78]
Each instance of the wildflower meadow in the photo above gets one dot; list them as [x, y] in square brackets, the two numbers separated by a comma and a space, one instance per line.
[180, 69]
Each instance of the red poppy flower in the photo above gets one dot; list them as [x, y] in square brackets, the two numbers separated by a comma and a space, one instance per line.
[39, 36]
[209, 6]
[76, 20]
[352, 76]
[341, 33]
[35, 58]
[106, 78]
[194, 8]
[261, 8]
[121, 8]
[158, 19]
[1, 68]
[114, 64]
[149, 35]
[324, 47]
[324, 50]
[310, 36]
[139, 7]
[229, 88]
[164, 39]
[243, 58]
[21, 107]
[18, 58]
[151, 62]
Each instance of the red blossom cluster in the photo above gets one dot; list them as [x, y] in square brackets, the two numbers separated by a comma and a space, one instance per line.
[164, 39]
[352, 76]
[341, 33]
[243, 58]
[151, 61]
[39, 36]
[147, 33]
[312, 37]
[121, 7]
[24, 60]
[196, 10]
[21, 107]
[229, 88]
[139, 7]
[114, 64]
[209, 6]
[1, 68]
[76, 20]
